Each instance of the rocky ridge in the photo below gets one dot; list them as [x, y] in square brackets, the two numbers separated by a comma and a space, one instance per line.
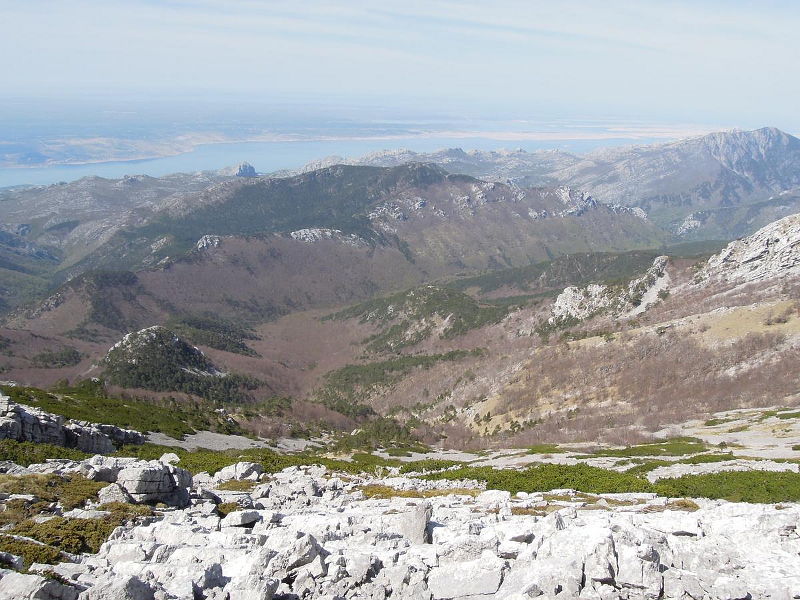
[28, 424]
[583, 303]
[308, 533]
[773, 251]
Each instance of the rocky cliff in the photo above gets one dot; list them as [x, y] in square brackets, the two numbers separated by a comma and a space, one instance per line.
[27, 424]
[773, 251]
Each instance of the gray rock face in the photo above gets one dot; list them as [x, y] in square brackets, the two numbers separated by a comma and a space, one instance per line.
[16, 586]
[304, 534]
[27, 424]
[772, 251]
[155, 481]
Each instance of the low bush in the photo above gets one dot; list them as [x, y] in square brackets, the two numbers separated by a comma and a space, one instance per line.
[28, 453]
[673, 447]
[543, 478]
[29, 551]
[71, 492]
[735, 486]
[70, 535]
[226, 508]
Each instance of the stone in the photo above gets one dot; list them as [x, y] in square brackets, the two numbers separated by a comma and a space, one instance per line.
[479, 577]
[28, 424]
[114, 493]
[239, 471]
[241, 518]
[126, 588]
[16, 586]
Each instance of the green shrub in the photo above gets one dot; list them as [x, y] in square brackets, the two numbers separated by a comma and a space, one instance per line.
[29, 551]
[28, 453]
[70, 535]
[543, 478]
[673, 447]
[71, 491]
[226, 508]
[735, 486]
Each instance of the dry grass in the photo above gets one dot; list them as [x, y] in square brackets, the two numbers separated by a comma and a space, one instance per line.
[385, 492]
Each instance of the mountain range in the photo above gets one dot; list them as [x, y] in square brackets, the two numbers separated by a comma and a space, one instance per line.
[509, 305]
[718, 186]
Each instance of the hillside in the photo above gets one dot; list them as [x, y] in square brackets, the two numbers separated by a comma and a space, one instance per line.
[719, 186]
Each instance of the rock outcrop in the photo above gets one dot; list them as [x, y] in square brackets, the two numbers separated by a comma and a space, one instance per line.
[582, 303]
[306, 533]
[27, 424]
[771, 252]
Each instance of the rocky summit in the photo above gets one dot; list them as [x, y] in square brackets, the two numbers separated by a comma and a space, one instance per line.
[307, 532]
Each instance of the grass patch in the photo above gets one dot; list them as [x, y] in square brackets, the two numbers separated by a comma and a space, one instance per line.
[714, 422]
[673, 447]
[75, 536]
[235, 485]
[385, 492]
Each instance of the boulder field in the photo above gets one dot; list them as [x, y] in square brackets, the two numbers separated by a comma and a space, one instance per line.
[307, 533]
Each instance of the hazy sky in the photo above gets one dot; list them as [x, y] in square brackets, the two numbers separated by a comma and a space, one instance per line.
[723, 61]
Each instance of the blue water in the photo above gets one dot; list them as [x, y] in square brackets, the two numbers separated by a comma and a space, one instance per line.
[272, 156]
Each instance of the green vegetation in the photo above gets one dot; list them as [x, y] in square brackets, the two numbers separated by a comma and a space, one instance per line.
[66, 534]
[735, 486]
[673, 447]
[28, 453]
[380, 432]
[214, 332]
[70, 535]
[30, 552]
[714, 422]
[71, 492]
[156, 359]
[385, 492]
[543, 478]
[225, 508]
[401, 316]
[236, 485]
[335, 198]
[88, 401]
[54, 359]
[346, 388]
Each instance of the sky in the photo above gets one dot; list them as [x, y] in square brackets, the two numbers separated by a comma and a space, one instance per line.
[731, 62]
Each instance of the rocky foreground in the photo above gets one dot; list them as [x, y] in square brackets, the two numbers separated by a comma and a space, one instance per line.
[308, 533]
